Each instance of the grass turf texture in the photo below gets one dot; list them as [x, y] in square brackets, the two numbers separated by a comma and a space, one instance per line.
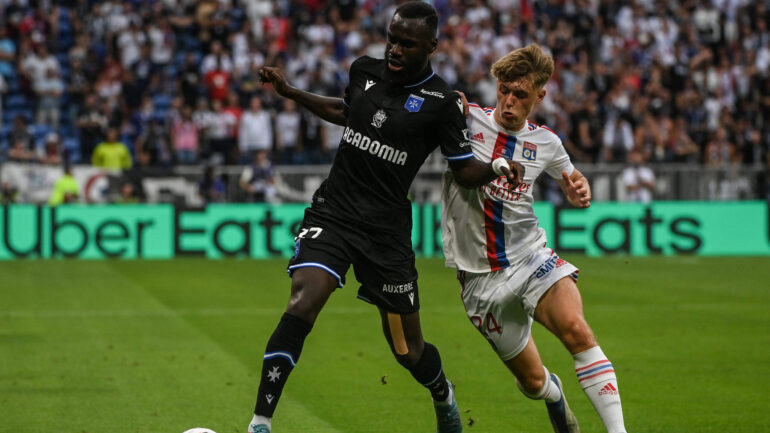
[163, 346]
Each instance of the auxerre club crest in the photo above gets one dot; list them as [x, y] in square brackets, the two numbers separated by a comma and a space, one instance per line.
[379, 118]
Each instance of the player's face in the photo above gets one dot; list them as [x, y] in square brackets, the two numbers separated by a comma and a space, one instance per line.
[408, 48]
[515, 101]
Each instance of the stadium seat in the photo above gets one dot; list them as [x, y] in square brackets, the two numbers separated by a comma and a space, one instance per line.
[16, 102]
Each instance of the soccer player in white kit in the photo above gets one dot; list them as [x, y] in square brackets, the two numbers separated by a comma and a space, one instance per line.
[508, 275]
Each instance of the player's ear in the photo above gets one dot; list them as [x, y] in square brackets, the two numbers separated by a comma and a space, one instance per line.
[433, 45]
[541, 95]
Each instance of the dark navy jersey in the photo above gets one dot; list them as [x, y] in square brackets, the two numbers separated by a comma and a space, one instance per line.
[391, 129]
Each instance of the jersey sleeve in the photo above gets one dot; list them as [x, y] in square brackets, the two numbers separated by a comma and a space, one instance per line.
[452, 132]
[352, 75]
[560, 161]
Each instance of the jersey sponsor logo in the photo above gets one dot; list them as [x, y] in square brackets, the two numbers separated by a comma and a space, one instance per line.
[479, 138]
[379, 118]
[547, 267]
[374, 147]
[369, 83]
[529, 151]
[398, 288]
[413, 103]
[428, 92]
[411, 298]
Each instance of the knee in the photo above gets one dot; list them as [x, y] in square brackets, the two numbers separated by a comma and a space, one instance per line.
[303, 303]
[577, 336]
[410, 359]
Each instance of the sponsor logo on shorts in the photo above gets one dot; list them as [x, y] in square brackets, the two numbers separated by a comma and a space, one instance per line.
[548, 266]
[398, 288]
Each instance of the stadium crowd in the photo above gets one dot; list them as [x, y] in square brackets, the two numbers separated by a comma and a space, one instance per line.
[163, 82]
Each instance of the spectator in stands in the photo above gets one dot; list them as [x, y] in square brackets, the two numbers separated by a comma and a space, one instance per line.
[77, 87]
[638, 179]
[65, 189]
[153, 147]
[258, 179]
[92, 123]
[112, 154]
[8, 193]
[217, 81]
[288, 142]
[185, 137]
[189, 80]
[3, 89]
[216, 60]
[256, 131]
[22, 144]
[36, 65]
[48, 91]
[219, 134]
[52, 153]
[127, 194]
[213, 189]
[162, 41]
[7, 54]
[618, 139]
[234, 108]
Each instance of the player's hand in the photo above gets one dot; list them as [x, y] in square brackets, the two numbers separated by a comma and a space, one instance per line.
[466, 107]
[577, 192]
[514, 174]
[273, 75]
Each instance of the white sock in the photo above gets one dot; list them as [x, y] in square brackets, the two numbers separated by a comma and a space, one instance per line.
[257, 420]
[549, 392]
[597, 378]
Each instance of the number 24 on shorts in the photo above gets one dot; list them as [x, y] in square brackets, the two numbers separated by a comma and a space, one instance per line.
[489, 322]
[312, 232]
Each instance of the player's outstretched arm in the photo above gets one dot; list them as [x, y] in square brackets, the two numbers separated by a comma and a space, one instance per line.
[472, 173]
[576, 188]
[327, 108]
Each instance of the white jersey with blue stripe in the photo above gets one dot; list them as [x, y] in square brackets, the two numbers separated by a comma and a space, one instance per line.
[490, 228]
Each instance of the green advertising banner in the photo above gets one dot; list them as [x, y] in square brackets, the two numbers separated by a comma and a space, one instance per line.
[259, 231]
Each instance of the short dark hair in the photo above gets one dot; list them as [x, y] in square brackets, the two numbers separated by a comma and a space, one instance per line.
[420, 10]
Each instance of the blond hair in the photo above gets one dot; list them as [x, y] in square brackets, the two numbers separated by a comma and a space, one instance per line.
[528, 62]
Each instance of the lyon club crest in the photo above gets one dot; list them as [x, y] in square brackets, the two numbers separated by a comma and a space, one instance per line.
[379, 118]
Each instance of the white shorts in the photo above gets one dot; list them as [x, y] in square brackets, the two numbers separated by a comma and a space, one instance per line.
[501, 304]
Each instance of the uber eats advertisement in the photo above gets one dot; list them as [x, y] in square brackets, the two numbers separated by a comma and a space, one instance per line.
[260, 231]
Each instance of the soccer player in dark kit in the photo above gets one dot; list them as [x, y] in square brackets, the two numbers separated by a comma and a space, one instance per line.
[395, 111]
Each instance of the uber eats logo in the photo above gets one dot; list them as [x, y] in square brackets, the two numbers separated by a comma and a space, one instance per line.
[702, 228]
[147, 231]
[260, 231]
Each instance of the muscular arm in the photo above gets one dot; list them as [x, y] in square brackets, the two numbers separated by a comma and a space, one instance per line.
[327, 108]
[472, 173]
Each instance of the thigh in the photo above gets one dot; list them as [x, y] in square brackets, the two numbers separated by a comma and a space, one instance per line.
[323, 245]
[561, 311]
[496, 309]
[387, 274]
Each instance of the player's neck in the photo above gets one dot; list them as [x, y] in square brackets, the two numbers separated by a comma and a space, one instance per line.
[507, 125]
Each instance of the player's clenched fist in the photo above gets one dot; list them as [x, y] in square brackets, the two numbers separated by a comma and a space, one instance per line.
[273, 75]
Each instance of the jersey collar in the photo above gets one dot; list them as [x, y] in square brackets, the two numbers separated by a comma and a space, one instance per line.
[428, 75]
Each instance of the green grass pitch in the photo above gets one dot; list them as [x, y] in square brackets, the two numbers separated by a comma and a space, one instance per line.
[163, 346]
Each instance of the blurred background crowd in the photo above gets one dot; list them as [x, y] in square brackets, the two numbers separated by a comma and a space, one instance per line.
[164, 83]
